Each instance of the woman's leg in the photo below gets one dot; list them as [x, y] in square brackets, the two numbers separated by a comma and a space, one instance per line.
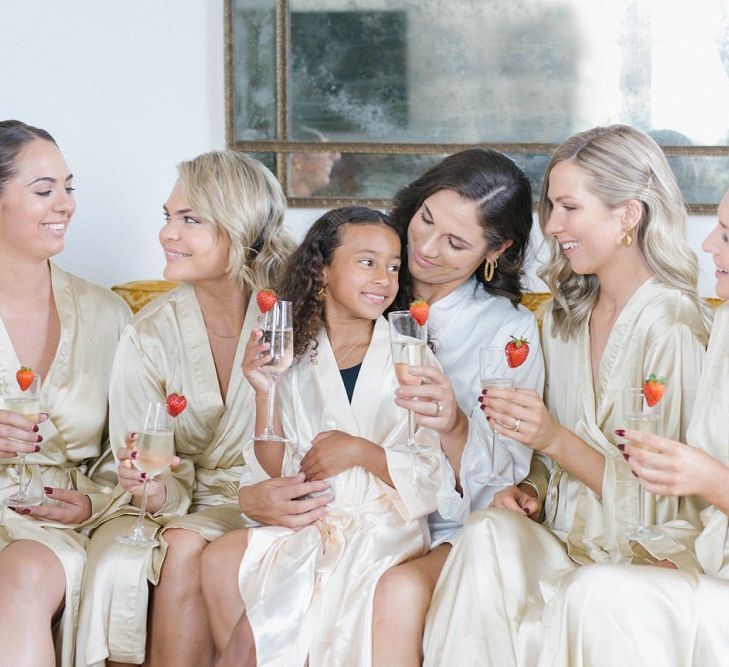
[240, 651]
[179, 632]
[32, 589]
[402, 597]
[220, 563]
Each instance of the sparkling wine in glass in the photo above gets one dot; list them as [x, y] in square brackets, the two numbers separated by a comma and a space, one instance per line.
[639, 416]
[408, 340]
[155, 448]
[494, 372]
[278, 332]
[25, 402]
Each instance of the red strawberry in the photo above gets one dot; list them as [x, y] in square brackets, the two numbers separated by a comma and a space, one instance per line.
[24, 377]
[176, 403]
[653, 389]
[419, 311]
[517, 350]
[266, 299]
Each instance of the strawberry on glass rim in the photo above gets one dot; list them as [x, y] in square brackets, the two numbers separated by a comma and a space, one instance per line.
[654, 388]
[517, 351]
[24, 377]
[266, 299]
[419, 311]
[176, 404]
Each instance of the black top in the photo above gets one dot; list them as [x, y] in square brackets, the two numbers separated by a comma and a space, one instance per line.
[349, 377]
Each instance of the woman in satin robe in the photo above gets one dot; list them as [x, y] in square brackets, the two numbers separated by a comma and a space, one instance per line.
[625, 307]
[465, 227]
[222, 239]
[629, 615]
[65, 329]
[308, 593]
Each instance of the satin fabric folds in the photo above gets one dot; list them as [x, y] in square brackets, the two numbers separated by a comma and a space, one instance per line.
[489, 603]
[165, 349]
[310, 592]
[74, 394]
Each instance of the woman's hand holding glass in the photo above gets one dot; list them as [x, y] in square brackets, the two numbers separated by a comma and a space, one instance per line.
[433, 402]
[521, 415]
[73, 506]
[18, 434]
[670, 468]
[153, 453]
[256, 355]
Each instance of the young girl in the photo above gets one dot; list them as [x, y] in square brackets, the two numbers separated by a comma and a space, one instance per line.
[309, 592]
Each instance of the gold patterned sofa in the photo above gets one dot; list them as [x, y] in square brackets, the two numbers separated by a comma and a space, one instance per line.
[140, 292]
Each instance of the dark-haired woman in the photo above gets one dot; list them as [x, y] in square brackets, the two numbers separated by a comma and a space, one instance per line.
[65, 329]
[308, 593]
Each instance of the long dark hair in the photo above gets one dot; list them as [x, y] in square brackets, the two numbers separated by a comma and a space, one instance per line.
[301, 279]
[503, 196]
[14, 136]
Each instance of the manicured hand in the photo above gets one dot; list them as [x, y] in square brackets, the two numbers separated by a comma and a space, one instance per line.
[507, 409]
[433, 402]
[18, 434]
[331, 452]
[76, 506]
[280, 501]
[518, 500]
[670, 468]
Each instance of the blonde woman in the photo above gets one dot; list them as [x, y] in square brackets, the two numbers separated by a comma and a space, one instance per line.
[664, 617]
[66, 330]
[223, 239]
[625, 306]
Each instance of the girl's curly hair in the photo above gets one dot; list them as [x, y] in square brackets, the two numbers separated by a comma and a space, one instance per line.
[301, 279]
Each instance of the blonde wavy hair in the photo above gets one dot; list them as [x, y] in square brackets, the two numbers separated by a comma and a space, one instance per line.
[623, 163]
[243, 198]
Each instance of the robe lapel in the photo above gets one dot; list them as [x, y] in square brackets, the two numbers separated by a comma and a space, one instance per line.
[368, 392]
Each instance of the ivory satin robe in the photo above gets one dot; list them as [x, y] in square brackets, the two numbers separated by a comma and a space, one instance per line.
[74, 394]
[488, 604]
[165, 349]
[626, 615]
[459, 324]
[310, 592]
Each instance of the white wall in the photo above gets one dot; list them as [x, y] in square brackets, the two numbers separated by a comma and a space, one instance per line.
[129, 88]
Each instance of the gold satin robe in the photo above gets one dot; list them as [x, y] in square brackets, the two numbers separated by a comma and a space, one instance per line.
[487, 607]
[628, 615]
[74, 394]
[165, 349]
[310, 592]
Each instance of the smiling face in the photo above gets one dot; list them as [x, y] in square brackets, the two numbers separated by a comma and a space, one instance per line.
[587, 230]
[37, 203]
[717, 245]
[446, 242]
[361, 281]
[194, 249]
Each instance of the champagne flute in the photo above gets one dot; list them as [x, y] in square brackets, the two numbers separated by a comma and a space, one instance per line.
[25, 402]
[408, 340]
[155, 448]
[494, 372]
[278, 332]
[640, 416]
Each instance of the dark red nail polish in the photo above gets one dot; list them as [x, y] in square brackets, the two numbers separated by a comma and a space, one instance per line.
[488, 419]
[24, 510]
[35, 428]
[133, 435]
[619, 432]
[482, 406]
[39, 438]
[37, 448]
[48, 490]
[634, 475]
[143, 475]
[621, 447]
[526, 511]
[626, 457]
[480, 399]
[485, 391]
[134, 454]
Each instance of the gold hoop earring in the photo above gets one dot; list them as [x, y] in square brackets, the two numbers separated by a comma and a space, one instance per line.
[489, 268]
[626, 240]
[321, 293]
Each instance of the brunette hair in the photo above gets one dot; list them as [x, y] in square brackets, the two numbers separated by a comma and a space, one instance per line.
[14, 136]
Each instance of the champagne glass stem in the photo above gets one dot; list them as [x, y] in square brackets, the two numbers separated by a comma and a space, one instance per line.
[411, 428]
[21, 475]
[139, 526]
[271, 403]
